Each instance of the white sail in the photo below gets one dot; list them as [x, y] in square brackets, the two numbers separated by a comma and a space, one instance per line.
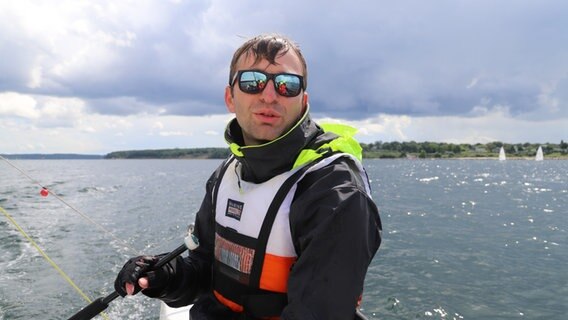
[502, 156]
[539, 154]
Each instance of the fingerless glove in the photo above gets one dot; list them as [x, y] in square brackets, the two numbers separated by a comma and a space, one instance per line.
[143, 266]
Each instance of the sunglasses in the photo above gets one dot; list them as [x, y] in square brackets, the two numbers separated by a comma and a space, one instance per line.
[254, 81]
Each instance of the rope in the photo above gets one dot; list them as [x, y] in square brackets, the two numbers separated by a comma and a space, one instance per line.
[53, 264]
[72, 207]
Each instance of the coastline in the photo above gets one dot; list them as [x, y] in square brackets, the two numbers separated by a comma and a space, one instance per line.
[496, 158]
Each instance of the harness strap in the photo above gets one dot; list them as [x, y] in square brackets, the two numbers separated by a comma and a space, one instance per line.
[220, 174]
[266, 228]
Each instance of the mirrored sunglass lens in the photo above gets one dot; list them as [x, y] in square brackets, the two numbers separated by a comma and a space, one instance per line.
[252, 82]
[287, 85]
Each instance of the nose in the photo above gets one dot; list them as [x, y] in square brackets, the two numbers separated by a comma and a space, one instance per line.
[269, 94]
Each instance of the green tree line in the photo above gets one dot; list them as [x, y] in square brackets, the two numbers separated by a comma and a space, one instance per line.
[379, 149]
[193, 153]
[428, 149]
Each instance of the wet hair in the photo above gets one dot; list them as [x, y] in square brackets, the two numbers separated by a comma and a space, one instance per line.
[269, 47]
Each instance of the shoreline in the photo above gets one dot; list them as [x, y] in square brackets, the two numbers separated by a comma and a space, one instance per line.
[508, 158]
[475, 158]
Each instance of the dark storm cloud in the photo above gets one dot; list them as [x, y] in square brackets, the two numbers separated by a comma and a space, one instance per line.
[364, 58]
[428, 59]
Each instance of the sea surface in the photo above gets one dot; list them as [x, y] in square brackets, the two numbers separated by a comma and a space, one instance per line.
[463, 239]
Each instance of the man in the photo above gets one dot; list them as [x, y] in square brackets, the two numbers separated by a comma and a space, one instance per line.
[287, 226]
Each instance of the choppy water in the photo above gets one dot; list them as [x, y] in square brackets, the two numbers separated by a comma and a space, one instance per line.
[472, 239]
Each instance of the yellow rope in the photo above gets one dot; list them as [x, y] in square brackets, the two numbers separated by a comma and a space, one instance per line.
[53, 264]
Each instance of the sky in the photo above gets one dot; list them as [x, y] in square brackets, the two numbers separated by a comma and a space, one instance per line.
[94, 77]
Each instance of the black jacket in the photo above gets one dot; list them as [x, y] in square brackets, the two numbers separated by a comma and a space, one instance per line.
[335, 227]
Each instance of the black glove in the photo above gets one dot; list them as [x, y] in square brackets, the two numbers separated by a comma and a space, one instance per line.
[159, 279]
[133, 269]
[144, 266]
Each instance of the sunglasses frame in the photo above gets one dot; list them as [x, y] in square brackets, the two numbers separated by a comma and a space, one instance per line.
[269, 76]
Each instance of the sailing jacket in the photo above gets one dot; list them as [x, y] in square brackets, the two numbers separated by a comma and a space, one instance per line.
[316, 268]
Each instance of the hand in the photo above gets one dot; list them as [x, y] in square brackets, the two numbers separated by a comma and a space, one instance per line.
[142, 282]
[134, 275]
[139, 273]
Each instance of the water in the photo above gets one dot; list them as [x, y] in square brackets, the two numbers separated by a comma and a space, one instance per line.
[472, 239]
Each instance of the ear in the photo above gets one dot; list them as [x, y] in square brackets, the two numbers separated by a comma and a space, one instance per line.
[304, 102]
[229, 99]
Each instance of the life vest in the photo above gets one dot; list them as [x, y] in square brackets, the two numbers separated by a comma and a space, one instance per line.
[254, 250]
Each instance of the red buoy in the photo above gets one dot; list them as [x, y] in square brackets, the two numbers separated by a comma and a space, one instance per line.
[44, 192]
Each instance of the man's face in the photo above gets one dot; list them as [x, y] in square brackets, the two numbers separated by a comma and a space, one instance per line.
[265, 116]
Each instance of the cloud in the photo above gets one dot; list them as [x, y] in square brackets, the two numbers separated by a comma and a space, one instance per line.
[172, 57]
[13, 104]
[211, 133]
[41, 111]
[472, 83]
[174, 133]
[101, 134]
[68, 64]
[493, 125]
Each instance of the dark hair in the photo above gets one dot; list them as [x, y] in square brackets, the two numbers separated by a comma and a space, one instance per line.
[269, 47]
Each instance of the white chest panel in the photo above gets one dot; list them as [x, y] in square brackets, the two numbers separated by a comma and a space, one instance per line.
[244, 208]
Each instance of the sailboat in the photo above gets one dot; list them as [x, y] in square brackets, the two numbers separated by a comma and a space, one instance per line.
[539, 154]
[502, 156]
